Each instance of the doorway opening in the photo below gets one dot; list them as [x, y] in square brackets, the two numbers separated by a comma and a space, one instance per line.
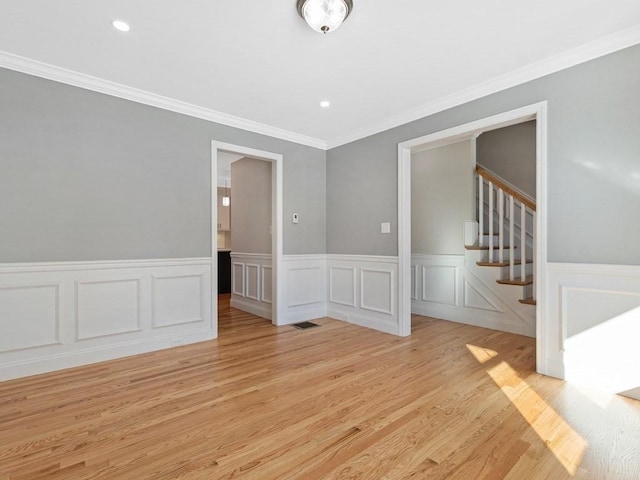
[266, 275]
[451, 136]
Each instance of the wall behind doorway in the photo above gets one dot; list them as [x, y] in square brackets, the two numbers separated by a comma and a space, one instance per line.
[442, 198]
[251, 245]
[510, 153]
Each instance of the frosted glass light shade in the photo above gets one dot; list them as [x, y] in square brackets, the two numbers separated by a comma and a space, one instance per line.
[324, 15]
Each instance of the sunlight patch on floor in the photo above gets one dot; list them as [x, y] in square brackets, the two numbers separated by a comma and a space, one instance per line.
[563, 441]
[482, 354]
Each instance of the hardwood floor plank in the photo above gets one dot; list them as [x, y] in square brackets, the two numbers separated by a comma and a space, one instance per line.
[335, 402]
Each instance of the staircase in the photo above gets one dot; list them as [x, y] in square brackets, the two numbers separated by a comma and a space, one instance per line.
[504, 235]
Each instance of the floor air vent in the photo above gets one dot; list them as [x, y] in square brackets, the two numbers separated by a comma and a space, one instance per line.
[304, 325]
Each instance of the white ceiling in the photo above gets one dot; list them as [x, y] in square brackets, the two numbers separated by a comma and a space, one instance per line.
[259, 61]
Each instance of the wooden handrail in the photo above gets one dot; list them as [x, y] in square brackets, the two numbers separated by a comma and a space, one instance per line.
[484, 173]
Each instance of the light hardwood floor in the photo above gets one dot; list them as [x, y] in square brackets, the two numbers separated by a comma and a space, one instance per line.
[334, 402]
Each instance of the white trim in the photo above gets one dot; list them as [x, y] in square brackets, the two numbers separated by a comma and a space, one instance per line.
[263, 297]
[359, 312]
[354, 286]
[95, 84]
[59, 361]
[309, 257]
[277, 252]
[252, 256]
[27, 351]
[260, 309]
[100, 264]
[612, 284]
[537, 111]
[392, 299]
[598, 48]
[362, 258]
[590, 51]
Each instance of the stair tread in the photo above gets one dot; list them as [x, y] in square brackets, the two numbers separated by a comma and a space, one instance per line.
[486, 247]
[500, 264]
[528, 301]
[517, 281]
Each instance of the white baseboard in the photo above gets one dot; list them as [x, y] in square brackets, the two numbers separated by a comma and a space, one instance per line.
[260, 309]
[468, 318]
[363, 321]
[304, 315]
[60, 361]
[66, 314]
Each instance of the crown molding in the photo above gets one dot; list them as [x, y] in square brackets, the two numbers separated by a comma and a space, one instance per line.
[598, 48]
[95, 84]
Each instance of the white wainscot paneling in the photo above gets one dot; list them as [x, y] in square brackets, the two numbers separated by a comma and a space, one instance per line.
[414, 282]
[593, 326]
[60, 315]
[29, 316]
[439, 284]
[177, 299]
[252, 283]
[107, 307]
[237, 279]
[266, 294]
[342, 286]
[377, 290]
[301, 283]
[306, 291]
[450, 290]
[363, 291]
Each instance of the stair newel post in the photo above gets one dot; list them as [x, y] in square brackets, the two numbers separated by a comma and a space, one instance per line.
[490, 221]
[501, 225]
[523, 241]
[512, 260]
[480, 210]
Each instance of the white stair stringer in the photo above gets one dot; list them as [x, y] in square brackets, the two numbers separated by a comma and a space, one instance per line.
[485, 279]
[452, 287]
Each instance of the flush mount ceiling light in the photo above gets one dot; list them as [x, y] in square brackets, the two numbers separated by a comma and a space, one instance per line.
[324, 15]
[120, 25]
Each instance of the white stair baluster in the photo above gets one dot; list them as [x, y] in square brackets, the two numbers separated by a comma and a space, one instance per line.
[490, 221]
[523, 241]
[480, 210]
[501, 225]
[512, 242]
[534, 255]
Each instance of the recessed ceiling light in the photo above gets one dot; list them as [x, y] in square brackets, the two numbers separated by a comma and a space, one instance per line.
[325, 104]
[120, 25]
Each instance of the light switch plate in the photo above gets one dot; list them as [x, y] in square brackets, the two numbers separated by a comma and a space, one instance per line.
[385, 227]
[295, 218]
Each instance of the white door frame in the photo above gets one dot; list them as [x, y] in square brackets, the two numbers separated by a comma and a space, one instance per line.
[276, 160]
[537, 111]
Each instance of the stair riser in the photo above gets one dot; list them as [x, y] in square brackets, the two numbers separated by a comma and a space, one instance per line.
[528, 269]
[496, 255]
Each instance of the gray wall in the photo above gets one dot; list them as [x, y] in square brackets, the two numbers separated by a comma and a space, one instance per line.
[510, 152]
[86, 176]
[442, 198]
[251, 206]
[593, 157]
